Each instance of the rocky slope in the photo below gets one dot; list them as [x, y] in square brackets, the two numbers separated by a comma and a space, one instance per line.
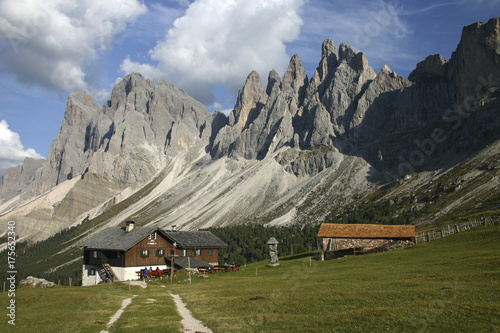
[293, 151]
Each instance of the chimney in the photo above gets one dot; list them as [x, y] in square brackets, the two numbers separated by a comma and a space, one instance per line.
[130, 226]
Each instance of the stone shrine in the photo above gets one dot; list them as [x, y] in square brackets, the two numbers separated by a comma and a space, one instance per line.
[273, 252]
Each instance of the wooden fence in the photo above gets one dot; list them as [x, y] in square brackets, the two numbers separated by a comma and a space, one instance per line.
[435, 233]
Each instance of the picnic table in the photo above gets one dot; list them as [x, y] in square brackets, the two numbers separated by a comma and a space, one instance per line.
[226, 268]
[205, 270]
[219, 268]
[154, 274]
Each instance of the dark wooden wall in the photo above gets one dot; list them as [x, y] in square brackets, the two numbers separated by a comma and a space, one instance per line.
[133, 255]
[114, 258]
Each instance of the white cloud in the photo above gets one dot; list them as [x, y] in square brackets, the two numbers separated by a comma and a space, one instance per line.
[49, 43]
[219, 42]
[12, 152]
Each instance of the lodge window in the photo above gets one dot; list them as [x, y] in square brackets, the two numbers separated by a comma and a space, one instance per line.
[152, 237]
[210, 252]
[160, 253]
[94, 254]
[184, 253]
[91, 271]
[172, 252]
[197, 252]
[144, 253]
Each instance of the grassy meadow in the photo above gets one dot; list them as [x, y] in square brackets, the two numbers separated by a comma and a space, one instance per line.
[449, 285]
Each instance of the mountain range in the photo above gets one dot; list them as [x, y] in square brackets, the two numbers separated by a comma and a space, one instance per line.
[294, 149]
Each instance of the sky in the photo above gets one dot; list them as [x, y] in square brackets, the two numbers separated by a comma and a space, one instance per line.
[49, 48]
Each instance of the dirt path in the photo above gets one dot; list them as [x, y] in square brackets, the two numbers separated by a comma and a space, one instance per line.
[189, 322]
[116, 316]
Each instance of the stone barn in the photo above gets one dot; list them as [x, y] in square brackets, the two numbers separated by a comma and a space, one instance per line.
[363, 238]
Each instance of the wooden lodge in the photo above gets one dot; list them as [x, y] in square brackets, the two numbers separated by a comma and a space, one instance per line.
[345, 238]
[116, 254]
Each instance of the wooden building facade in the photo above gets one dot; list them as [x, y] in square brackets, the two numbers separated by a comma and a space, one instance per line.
[116, 254]
[363, 237]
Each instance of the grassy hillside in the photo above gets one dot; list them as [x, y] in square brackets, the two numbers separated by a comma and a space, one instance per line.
[448, 285]
[451, 285]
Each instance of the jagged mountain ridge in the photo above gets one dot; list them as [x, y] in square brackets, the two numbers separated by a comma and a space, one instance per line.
[335, 134]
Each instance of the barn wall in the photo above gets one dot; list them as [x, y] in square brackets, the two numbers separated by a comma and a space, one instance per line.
[349, 243]
[365, 245]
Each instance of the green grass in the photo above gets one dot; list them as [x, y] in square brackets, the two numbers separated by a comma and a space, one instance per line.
[64, 309]
[88, 309]
[153, 310]
[449, 285]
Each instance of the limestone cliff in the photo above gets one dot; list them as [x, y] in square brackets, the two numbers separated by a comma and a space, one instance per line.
[291, 149]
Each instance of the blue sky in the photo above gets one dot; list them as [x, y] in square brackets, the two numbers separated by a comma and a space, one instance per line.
[49, 48]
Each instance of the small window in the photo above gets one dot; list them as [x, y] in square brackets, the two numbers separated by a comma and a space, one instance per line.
[210, 252]
[95, 254]
[184, 253]
[144, 253]
[197, 252]
[172, 252]
[160, 253]
[92, 271]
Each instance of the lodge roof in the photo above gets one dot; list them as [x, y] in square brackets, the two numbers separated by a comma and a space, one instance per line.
[120, 240]
[195, 239]
[333, 230]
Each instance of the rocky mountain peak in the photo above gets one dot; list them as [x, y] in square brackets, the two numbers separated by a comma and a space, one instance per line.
[328, 49]
[351, 56]
[17, 178]
[79, 108]
[295, 77]
[131, 83]
[476, 59]
[273, 83]
[250, 99]
[433, 66]
[329, 59]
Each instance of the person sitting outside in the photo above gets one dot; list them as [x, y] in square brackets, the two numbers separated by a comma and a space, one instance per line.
[158, 272]
[145, 272]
